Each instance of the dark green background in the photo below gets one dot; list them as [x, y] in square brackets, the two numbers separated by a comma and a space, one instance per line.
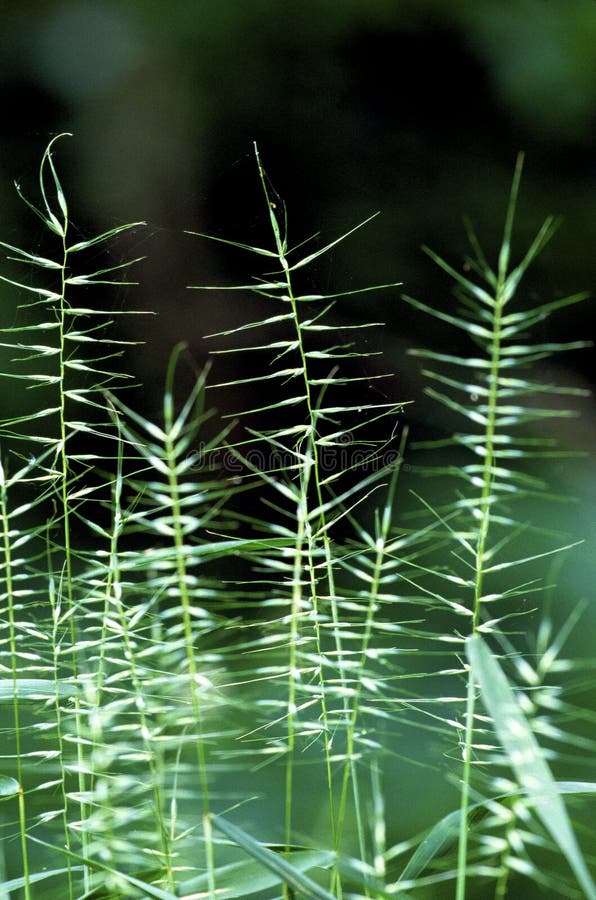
[414, 108]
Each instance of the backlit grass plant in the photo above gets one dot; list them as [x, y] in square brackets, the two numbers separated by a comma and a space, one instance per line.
[223, 651]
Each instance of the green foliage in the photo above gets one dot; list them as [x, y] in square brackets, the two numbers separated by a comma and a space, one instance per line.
[201, 628]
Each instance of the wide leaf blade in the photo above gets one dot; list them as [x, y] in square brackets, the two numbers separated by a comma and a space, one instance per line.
[245, 879]
[288, 873]
[526, 757]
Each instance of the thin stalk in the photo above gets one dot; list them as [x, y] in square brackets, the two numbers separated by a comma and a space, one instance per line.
[330, 577]
[55, 608]
[297, 601]
[66, 534]
[324, 712]
[349, 772]
[312, 455]
[485, 505]
[502, 884]
[313, 467]
[8, 585]
[114, 598]
[182, 580]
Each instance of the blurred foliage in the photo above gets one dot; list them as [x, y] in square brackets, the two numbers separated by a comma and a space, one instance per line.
[416, 108]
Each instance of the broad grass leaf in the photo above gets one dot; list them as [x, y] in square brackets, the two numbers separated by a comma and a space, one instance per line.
[16, 884]
[244, 879]
[526, 757]
[444, 834]
[285, 871]
[439, 839]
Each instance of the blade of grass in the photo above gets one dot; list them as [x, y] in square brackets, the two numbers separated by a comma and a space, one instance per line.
[277, 864]
[244, 879]
[525, 756]
[146, 890]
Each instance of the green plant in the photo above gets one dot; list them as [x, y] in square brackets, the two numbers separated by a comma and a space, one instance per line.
[205, 633]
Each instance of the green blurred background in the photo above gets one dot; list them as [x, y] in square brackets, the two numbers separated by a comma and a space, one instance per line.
[414, 108]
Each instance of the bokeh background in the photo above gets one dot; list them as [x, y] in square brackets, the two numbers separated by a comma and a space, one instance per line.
[413, 108]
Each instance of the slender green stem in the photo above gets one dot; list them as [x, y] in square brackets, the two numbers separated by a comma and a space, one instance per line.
[65, 511]
[484, 507]
[187, 623]
[310, 469]
[114, 597]
[55, 608]
[502, 881]
[297, 604]
[9, 591]
[349, 770]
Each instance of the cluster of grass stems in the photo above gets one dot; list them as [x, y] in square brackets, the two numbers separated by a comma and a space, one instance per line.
[213, 686]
